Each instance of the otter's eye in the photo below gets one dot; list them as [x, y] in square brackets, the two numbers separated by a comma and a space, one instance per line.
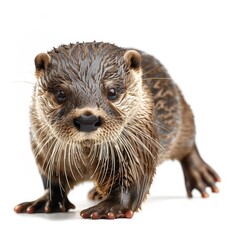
[61, 97]
[112, 95]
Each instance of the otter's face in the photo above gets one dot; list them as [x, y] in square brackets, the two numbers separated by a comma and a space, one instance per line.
[88, 91]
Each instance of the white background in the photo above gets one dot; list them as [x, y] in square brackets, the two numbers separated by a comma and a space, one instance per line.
[198, 42]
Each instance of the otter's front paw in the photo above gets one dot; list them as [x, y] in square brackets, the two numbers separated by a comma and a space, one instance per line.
[45, 204]
[199, 175]
[107, 209]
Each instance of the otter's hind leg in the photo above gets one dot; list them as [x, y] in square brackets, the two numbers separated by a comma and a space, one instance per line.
[198, 174]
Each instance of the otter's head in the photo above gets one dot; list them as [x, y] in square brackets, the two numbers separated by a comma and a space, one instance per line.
[88, 91]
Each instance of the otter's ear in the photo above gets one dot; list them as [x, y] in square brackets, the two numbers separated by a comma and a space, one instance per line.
[133, 59]
[42, 62]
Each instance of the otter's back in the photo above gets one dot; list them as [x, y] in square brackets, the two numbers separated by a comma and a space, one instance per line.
[166, 97]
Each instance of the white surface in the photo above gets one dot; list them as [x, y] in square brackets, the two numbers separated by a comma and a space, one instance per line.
[198, 42]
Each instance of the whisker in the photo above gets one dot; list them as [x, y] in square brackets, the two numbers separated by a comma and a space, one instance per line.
[147, 137]
[105, 163]
[50, 164]
[96, 152]
[70, 159]
[113, 166]
[121, 168]
[162, 78]
[158, 65]
[141, 143]
[132, 155]
[79, 159]
[23, 82]
[159, 126]
[64, 164]
[58, 148]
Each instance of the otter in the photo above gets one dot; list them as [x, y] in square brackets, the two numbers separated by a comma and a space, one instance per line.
[109, 115]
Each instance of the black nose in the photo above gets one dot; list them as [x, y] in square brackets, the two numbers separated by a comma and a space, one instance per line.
[87, 123]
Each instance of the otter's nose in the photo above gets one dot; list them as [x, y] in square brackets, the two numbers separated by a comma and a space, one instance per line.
[87, 123]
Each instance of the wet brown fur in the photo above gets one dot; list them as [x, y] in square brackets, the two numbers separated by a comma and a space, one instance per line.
[64, 72]
[148, 123]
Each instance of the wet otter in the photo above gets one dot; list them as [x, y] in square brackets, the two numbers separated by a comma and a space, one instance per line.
[110, 115]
